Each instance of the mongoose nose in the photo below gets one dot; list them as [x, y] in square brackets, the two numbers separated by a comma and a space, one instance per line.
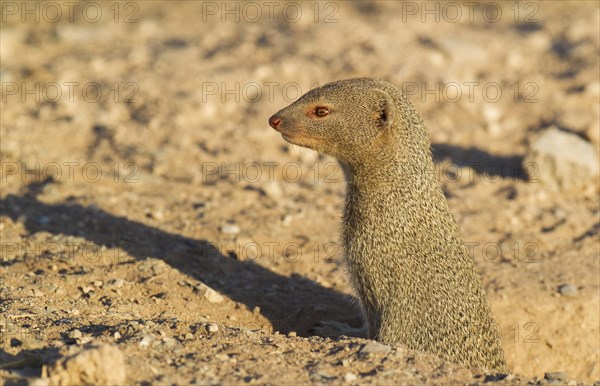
[274, 121]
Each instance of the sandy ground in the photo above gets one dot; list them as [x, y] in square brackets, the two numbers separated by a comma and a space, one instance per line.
[155, 229]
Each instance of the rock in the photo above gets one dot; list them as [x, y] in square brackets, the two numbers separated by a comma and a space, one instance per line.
[306, 156]
[230, 229]
[593, 133]
[558, 376]
[213, 296]
[33, 291]
[273, 190]
[561, 160]
[287, 220]
[211, 327]
[467, 57]
[492, 115]
[540, 41]
[222, 357]
[115, 283]
[375, 347]
[249, 249]
[322, 375]
[593, 88]
[210, 294]
[157, 214]
[494, 377]
[146, 341]
[75, 334]
[292, 334]
[568, 290]
[87, 290]
[104, 365]
[349, 377]
[169, 343]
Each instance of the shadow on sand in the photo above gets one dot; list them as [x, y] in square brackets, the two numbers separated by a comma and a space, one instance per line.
[292, 303]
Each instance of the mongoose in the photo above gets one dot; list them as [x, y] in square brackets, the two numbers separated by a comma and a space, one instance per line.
[416, 284]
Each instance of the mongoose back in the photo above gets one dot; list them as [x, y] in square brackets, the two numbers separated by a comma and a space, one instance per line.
[416, 284]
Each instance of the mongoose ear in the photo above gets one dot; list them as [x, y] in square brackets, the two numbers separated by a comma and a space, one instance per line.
[386, 110]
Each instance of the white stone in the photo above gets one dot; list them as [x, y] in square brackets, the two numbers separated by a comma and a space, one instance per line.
[561, 160]
[230, 229]
[375, 347]
[349, 377]
[213, 296]
[273, 189]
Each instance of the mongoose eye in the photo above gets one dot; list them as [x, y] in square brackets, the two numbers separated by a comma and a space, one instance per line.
[321, 111]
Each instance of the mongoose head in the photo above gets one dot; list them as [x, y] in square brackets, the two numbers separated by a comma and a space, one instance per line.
[345, 119]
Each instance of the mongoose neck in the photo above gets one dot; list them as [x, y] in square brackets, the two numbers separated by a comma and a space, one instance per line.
[396, 161]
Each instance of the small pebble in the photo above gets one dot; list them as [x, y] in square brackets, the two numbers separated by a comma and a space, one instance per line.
[273, 190]
[169, 343]
[75, 334]
[557, 376]
[497, 377]
[349, 377]
[33, 290]
[222, 357]
[230, 229]
[50, 310]
[211, 327]
[292, 334]
[146, 340]
[87, 289]
[115, 283]
[568, 290]
[48, 288]
[212, 296]
[287, 220]
[375, 347]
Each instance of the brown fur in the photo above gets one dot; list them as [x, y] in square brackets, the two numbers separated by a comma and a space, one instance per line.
[407, 262]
